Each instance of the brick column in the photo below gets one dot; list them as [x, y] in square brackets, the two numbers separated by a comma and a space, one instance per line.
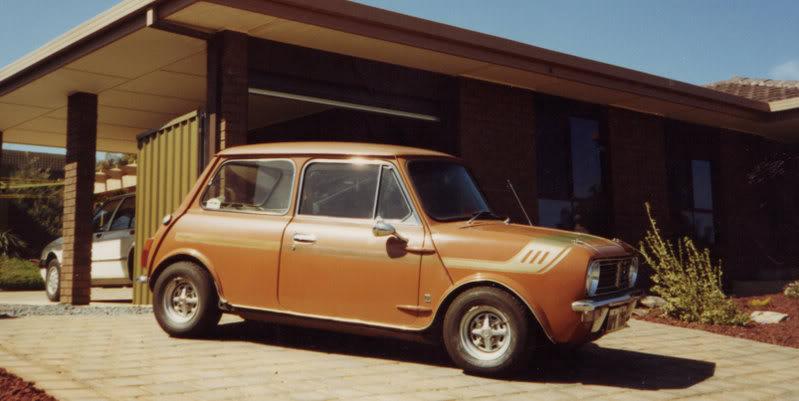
[233, 84]
[78, 190]
[637, 172]
[497, 139]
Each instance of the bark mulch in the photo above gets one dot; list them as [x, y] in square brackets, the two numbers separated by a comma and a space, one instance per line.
[12, 388]
[785, 333]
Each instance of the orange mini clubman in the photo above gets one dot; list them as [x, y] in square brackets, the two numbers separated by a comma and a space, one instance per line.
[380, 240]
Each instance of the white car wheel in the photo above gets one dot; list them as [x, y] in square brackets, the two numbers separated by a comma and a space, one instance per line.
[53, 280]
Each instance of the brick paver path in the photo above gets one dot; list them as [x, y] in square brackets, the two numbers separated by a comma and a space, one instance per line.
[130, 358]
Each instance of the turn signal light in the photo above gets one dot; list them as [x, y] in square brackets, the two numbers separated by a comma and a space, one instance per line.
[145, 254]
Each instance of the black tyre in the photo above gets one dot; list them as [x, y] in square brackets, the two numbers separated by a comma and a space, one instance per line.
[185, 302]
[52, 280]
[486, 331]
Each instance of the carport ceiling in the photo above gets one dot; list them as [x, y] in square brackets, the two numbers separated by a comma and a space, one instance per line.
[143, 80]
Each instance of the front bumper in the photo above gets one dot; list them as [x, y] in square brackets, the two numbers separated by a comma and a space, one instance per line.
[594, 311]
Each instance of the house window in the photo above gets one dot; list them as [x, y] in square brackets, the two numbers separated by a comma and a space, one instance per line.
[572, 192]
[699, 213]
[692, 193]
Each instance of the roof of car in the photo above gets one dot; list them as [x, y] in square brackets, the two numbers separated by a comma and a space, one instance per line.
[329, 148]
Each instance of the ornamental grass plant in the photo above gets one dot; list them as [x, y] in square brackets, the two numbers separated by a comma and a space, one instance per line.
[792, 290]
[686, 278]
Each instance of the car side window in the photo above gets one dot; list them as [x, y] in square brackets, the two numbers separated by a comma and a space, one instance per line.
[251, 186]
[103, 214]
[339, 190]
[123, 219]
[391, 202]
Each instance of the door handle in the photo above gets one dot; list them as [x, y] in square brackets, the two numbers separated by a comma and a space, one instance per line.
[306, 238]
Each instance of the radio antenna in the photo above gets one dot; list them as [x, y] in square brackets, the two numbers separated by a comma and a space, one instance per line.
[519, 201]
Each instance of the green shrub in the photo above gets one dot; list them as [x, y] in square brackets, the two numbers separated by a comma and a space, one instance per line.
[792, 290]
[19, 274]
[10, 243]
[687, 280]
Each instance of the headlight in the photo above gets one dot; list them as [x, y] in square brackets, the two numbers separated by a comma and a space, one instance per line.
[633, 273]
[592, 279]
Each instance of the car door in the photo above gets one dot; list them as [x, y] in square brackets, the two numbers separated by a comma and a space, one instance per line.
[332, 264]
[109, 255]
[238, 226]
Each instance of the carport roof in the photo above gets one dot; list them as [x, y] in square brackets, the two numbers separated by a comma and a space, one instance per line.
[146, 74]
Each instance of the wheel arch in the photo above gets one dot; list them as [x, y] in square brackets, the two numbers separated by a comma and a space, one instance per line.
[536, 316]
[185, 256]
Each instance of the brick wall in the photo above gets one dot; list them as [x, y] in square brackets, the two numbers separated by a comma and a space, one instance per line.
[637, 172]
[232, 92]
[78, 190]
[497, 138]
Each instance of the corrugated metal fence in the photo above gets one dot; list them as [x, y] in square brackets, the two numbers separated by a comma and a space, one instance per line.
[168, 165]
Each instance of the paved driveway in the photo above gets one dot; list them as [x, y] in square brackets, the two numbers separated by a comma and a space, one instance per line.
[129, 357]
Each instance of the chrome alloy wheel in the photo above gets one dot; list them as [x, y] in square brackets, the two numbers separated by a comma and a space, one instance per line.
[52, 280]
[180, 300]
[485, 332]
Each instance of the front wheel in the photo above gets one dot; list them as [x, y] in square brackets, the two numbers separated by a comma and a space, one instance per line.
[52, 280]
[185, 302]
[486, 331]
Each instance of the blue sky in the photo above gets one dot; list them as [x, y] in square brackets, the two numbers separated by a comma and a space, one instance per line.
[688, 40]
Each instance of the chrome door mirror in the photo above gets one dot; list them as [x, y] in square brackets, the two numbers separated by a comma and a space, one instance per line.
[383, 229]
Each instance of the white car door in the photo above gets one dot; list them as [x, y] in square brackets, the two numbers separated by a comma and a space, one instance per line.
[113, 240]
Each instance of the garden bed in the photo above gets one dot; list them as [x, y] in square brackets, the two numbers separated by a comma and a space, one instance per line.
[785, 333]
[12, 388]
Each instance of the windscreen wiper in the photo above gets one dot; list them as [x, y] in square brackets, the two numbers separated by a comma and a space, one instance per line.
[483, 213]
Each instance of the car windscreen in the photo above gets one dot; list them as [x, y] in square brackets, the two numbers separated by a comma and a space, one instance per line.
[446, 189]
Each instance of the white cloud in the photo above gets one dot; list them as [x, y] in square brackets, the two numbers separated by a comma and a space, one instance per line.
[787, 70]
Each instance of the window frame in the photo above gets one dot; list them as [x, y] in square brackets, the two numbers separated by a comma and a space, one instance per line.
[415, 221]
[693, 210]
[231, 160]
[116, 210]
[563, 113]
[105, 228]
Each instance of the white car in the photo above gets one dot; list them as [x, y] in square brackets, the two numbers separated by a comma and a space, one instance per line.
[112, 248]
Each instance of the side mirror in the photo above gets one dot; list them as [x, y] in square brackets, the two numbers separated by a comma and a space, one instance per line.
[383, 229]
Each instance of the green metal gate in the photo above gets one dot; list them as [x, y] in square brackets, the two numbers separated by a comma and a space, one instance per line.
[169, 163]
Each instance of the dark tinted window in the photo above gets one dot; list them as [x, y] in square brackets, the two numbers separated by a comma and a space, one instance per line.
[691, 186]
[103, 214]
[391, 202]
[702, 185]
[339, 190]
[571, 155]
[585, 155]
[446, 189]
[251, 185]
[123, 219]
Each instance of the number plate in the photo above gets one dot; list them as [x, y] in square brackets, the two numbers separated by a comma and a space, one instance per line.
[617, 318]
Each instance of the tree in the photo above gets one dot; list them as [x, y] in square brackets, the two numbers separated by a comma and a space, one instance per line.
[41, 198]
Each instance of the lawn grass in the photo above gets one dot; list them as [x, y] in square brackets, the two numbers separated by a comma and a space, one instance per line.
[19, 274]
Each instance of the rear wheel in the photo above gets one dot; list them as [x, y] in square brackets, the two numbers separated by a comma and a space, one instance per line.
[185, 302]
[486, 331]
[52, 280]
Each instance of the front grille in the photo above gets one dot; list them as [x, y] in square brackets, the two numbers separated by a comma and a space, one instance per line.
[614, 275]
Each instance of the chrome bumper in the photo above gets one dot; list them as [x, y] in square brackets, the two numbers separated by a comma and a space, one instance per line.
[587, 305]
[595, 311]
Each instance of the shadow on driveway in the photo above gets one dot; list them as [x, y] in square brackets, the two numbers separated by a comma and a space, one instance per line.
[591, 364]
